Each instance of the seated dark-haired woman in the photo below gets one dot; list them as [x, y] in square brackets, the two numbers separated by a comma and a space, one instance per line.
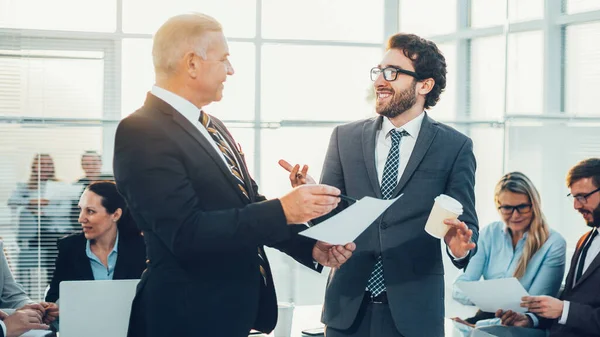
[110, 247]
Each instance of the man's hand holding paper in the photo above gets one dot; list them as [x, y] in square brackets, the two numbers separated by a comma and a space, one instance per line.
[545, 306]
[332, 256]
[327, 254]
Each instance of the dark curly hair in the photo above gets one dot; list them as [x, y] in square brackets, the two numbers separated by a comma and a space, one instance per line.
[427, 59]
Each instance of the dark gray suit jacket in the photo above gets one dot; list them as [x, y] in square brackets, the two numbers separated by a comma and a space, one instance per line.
[584, 298]
[441, 162]
[202, 234]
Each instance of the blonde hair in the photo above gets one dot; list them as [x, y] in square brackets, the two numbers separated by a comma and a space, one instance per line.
[36, 169]
[517, 182]
[178, 36]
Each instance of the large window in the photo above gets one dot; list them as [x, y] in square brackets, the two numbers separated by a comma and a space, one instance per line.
[522, 78]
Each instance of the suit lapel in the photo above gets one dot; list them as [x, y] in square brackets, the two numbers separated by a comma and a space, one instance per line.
[590, 270]
[424, 141]
[368, 140]
[573, 268]
[593, 266]
[84, 260]
[122, 255]
[191, 130]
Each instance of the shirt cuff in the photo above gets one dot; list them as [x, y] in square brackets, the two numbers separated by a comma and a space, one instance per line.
[534, 320]
[565, 314]
[3, 328]
[457, 258]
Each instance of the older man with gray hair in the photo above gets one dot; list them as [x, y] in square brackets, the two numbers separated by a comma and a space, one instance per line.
[189, 190]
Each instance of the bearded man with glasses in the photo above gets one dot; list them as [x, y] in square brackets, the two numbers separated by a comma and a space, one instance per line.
[395, 284]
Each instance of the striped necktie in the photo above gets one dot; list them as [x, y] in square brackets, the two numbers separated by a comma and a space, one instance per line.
[376, 283]
[235, 170]
[225, 150]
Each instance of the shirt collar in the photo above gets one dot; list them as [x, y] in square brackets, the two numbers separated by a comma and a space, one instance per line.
[182, 105]
[507, 232]
[412, 127]
[88, 249]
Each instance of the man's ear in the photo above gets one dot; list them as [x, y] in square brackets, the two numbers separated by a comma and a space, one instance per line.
[192, 63]
[425, 86]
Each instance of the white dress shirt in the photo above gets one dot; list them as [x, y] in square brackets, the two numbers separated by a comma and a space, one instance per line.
[589, 257]
[407, 143]
[191, 113]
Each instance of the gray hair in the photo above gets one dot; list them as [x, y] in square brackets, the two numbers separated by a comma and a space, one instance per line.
[178, 36]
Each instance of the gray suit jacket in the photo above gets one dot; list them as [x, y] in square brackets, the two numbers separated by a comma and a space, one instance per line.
[12, 295]
[441, 162]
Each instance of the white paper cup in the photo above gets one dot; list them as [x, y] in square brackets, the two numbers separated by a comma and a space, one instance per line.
[444, 207]
[285, 315]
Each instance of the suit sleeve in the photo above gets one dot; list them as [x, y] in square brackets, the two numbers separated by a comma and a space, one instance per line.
[13, 296]
[584, 317]
[150, 173]
[461, 186]
[60, 265]
[298, 247]
[333, 174]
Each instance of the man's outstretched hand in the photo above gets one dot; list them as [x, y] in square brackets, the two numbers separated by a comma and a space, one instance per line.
[332, 255]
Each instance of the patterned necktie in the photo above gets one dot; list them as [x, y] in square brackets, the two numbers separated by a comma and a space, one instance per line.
[235, 170]
[227, 154]
[376, 284]
[584, 251]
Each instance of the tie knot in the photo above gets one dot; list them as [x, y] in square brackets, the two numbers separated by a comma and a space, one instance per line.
[397, 135]
[204, 118]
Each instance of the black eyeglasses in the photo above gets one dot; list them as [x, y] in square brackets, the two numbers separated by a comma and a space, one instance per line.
[521, 209]
[390, 73]
[582, 198]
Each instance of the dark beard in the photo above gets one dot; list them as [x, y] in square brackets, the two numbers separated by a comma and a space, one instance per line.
[596, 215]
[399, 104]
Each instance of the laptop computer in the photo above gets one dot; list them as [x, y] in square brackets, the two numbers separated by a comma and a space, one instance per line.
[95, 308]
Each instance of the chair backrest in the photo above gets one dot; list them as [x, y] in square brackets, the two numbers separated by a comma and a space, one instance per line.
[95, 308]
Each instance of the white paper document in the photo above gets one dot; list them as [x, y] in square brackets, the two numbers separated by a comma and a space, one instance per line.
[347, 225]
[37, 333]
[491, 295]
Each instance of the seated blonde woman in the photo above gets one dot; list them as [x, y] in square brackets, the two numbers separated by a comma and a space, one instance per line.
[521, 245]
